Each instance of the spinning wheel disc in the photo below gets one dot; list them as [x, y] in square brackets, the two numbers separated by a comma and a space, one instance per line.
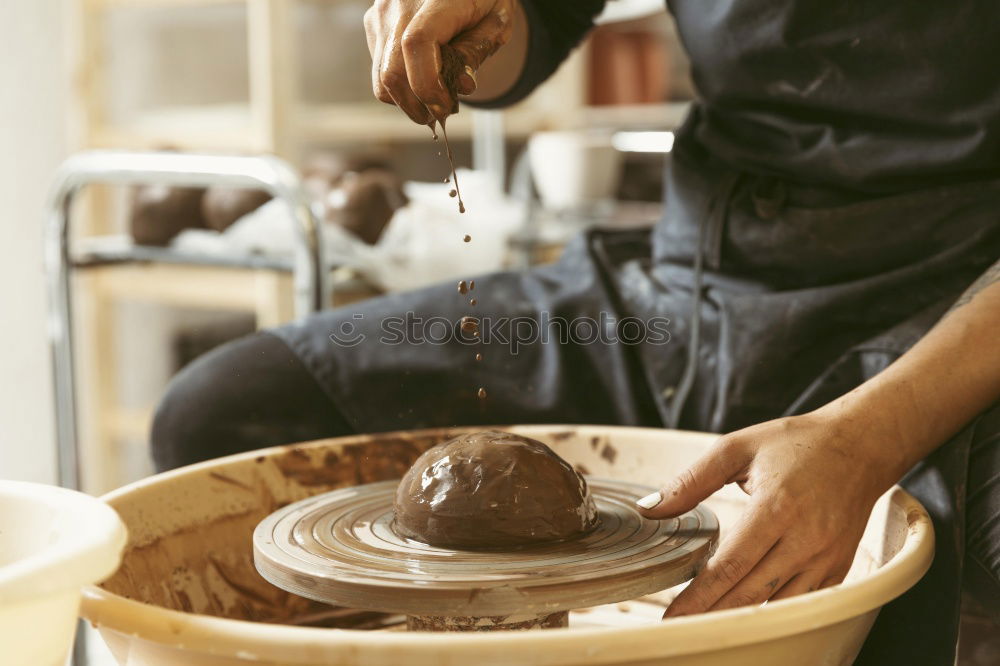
[340, 548]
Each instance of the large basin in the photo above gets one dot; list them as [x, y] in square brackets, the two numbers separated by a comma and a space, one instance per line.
[187, 591]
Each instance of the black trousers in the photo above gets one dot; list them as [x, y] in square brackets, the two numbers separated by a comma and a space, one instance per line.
[751, 299]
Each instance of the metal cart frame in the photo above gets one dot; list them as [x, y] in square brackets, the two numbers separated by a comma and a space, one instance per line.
[310, 274]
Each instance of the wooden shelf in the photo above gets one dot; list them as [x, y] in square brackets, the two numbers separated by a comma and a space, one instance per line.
[129, 424]
[230, 127]
[665, 116]
[113, 4]
[344, 122]
[156, 4]
[197, 128]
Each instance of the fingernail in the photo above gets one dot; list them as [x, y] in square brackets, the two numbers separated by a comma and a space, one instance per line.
[650, 500]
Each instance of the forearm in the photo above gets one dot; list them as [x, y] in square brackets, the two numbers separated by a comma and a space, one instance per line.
[498, 74]
[548, 32]
[934, 389]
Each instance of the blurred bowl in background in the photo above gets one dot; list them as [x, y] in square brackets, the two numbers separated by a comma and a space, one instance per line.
[572, 169]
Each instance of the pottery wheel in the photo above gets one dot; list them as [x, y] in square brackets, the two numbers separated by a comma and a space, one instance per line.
[340, 548]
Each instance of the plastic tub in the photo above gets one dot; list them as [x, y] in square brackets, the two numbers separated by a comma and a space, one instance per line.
[187, 591]
[53, 541]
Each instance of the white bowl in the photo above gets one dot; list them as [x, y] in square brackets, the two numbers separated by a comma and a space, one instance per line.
[572, 169]
[53, 541]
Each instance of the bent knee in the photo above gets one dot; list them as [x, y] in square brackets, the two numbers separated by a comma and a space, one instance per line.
[191, 419]
[247, 394]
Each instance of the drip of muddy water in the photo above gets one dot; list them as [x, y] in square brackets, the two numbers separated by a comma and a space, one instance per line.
[452, 65]
[470, 325]
[457, 192]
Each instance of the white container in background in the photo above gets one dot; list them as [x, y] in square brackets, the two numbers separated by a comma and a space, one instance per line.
[574, 168]
[53, 542]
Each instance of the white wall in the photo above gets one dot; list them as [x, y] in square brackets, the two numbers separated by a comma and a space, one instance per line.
[33, 140]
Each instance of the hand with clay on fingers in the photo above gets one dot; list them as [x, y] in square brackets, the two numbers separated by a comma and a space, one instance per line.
[813, 479]
[811, 489]
[427, 52]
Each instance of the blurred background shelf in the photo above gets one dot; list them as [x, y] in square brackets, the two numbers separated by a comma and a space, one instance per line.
[339, 122]
[659, 116]
[274, 76]
[110, 4]
[290, 78]
[230, 127]
[226, 127]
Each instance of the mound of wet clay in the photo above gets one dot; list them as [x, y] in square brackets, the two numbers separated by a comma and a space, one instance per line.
[490, 491]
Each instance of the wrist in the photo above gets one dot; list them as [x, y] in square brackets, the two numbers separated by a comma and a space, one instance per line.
[870, 432]
[498, 74]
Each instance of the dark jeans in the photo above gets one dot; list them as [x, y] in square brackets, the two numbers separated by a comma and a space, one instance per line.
[776, 299]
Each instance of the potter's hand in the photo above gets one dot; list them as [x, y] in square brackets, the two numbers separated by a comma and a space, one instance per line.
[813, 479]
[811, 486]
[405, 39]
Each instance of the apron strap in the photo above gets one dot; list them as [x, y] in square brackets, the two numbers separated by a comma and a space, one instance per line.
[711, 228]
